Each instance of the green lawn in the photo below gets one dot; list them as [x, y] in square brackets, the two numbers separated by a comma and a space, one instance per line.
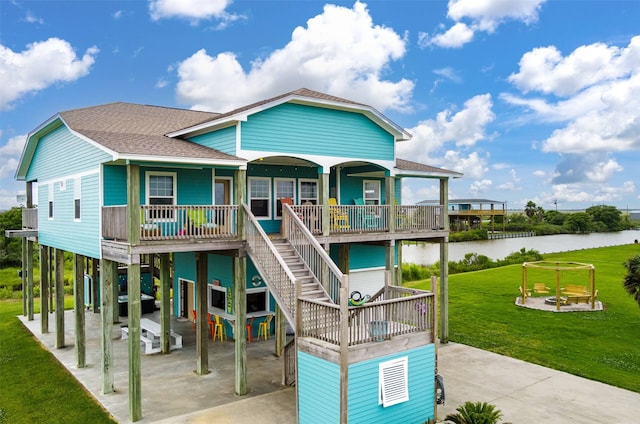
[34, 387]
[602, 346]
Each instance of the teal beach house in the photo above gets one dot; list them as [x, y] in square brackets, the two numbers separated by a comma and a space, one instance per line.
[283, 216]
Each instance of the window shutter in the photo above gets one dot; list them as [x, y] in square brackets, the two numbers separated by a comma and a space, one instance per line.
[394, 382]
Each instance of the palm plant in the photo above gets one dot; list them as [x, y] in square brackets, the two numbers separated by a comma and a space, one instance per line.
[475, 413]
[631, 281]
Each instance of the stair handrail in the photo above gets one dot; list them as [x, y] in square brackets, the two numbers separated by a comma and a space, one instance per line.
[280, 280]
[313, 254]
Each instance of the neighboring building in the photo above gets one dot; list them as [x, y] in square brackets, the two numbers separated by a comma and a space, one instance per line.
[286, 207]
[468, 214]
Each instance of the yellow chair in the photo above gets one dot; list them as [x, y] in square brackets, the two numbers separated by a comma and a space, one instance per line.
[265, 327]
[540, 288]
[220, 330]
[339, 218]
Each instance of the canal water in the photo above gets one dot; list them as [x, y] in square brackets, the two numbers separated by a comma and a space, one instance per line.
[427, 254]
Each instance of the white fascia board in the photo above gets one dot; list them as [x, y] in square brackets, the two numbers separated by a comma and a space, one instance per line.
[373, 114]
[418, 174]
[181, 160]
[212, 125]
[48, 126]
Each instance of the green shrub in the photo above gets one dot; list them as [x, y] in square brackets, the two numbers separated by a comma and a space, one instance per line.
[475, 413]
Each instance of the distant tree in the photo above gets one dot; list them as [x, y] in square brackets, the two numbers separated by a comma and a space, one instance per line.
[554, 217]
[539, 213]
[517, 218]
[579, 222]
[10, 248]
[610, 216]
[530, 209]
[631, 281]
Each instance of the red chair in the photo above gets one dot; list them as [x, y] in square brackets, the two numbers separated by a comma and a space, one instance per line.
[249, 329]
[212, 324]
[193, 323]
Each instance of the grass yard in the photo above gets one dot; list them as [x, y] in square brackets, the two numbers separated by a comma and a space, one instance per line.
[602, 346]
[34, 387]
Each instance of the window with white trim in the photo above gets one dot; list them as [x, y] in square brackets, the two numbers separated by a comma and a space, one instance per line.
[371, 190]
[284, 187]
[393, 381]
[260, 196]
[77, 191]
[161, 191]
[50, 190]
[308, 191]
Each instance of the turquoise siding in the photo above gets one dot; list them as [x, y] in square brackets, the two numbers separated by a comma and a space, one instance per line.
[351, 187]
[115, 185]
[361, 256]
[194, 186]
[318, 390]
[292, 128]
[363, 390]
[61, 147]
[223, 139]
[220, 267]
[63, 232]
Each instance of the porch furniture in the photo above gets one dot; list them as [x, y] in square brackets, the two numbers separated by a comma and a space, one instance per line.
[198, 220]
[339, 218]
[264, 329]
[249, 329]
[367, 217]
[150, 334]
[578, 298]
[147, 304]
[193, 323]
[525, 293]
[540, 288]
[574, 290]
[211, 323]
[150, 228]
[219, 329]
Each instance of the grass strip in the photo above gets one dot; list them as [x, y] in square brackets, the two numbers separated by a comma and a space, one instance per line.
[34, 386]
[601, 346]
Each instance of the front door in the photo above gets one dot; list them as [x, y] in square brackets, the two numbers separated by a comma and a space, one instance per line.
[222, 196]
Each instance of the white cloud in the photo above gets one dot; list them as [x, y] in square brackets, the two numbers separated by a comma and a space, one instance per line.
[588, 193]
[340, 51]
[33, 19]
[10, 153]
[599, 87]
[473, 165]
[482, 15]
[463, 128]
[41, 65]
[456, 36]
[479, 187]
[194, 10]
[449, 73]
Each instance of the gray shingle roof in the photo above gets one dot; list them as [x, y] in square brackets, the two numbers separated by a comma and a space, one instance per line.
[133, 129]
[407, 165]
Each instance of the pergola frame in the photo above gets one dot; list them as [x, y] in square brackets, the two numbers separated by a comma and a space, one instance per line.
[558, 266]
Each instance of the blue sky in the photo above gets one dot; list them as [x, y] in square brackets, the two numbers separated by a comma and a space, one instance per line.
[530, 99]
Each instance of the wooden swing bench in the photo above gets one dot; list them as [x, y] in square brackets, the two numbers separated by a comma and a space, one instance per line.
[579, 298]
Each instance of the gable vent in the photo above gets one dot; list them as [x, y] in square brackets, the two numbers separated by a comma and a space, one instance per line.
[393, 382]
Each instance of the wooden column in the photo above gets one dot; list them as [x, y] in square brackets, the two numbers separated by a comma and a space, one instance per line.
[78, 309]
[390, 260]
[444, 265]
[95, 287]
[165, 307]
[59, 290]
[323, 192]
[44, 289]
[115, 291]
[134, 310]
[399, 268]
[390, 187]
[240, 330]
[29, 272]
[240, 193]
[108, 277]
[281, 331]
[23, 276]
[344, 257]
[344, 355]
[202, 339]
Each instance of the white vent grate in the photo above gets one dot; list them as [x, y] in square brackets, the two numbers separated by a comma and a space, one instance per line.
[393, 382]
